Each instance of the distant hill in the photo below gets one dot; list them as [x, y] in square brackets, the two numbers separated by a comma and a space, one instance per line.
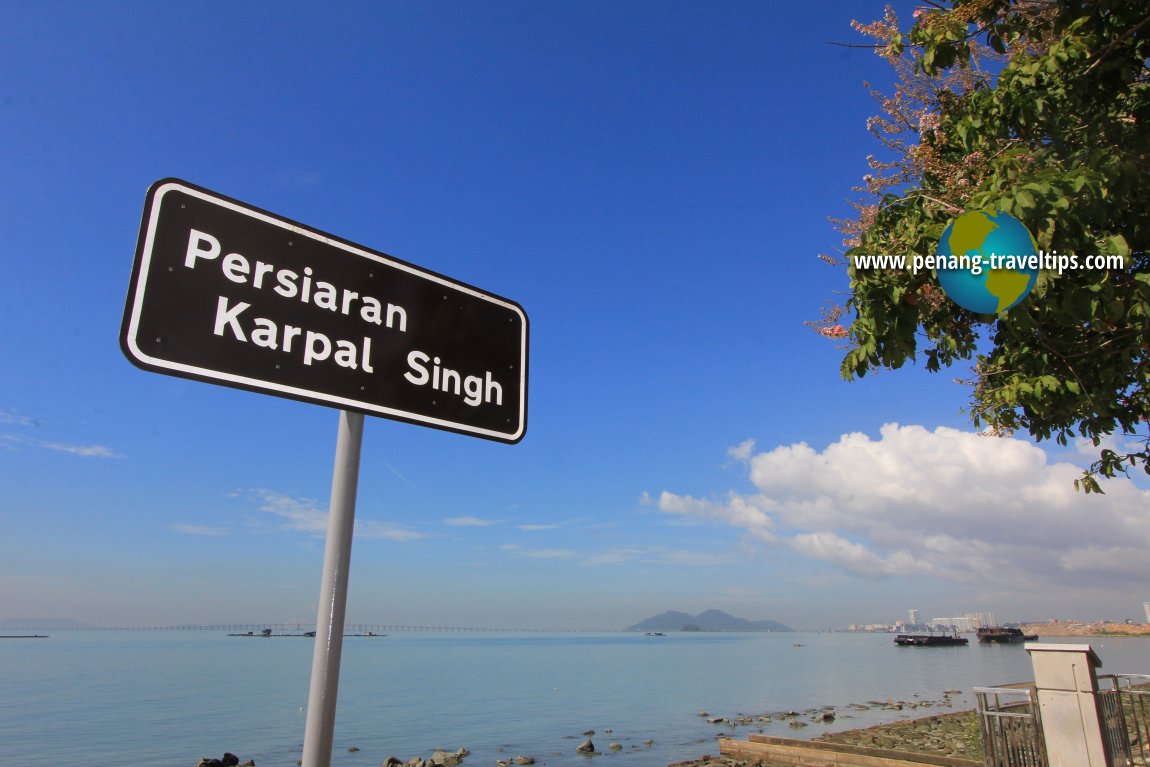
[711, 620]
[41, 623]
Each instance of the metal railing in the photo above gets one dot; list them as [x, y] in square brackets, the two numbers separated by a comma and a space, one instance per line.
[1124, 708]
[1010, 726]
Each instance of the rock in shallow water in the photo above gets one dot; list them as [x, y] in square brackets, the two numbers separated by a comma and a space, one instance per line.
[229, 760]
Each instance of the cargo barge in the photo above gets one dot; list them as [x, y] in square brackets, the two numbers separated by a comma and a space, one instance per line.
[930, 640]
[997, 634]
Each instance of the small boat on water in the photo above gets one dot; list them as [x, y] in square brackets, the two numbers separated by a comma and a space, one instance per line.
[1000, 635]
[930, 640]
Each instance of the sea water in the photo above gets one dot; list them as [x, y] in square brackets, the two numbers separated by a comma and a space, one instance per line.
[114, 698]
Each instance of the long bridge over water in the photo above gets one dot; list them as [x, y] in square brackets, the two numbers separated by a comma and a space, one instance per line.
[350, 628]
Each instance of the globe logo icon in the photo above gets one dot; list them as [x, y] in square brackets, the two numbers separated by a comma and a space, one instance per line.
[994, 254]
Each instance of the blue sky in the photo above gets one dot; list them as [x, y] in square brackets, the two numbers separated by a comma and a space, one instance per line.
[650, 181]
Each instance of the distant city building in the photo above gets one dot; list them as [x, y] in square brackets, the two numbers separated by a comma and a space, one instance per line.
[873, 627]
[982, 619]
[1146, 607]
[964, 623]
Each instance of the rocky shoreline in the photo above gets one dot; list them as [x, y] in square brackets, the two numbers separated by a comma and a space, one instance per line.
[948, 733]
[443, 758]
[954, 734]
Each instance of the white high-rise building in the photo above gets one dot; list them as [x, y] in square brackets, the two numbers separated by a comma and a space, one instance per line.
[963, 623]
[1146, 607]
[912, 615]
[982, 619]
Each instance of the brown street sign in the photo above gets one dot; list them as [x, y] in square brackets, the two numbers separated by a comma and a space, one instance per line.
[233, 295]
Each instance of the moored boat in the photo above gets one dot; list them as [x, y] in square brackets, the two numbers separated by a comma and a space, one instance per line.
[930, 640]
[998, 634]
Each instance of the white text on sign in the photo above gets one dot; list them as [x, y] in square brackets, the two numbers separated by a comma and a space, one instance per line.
[232, 321]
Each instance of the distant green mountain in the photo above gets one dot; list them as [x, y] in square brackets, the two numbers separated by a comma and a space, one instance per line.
[711, 620]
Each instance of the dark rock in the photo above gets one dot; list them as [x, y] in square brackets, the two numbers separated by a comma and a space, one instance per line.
[523, 760]
[230, 760]
[615, 746]
[588, 733]
[353, 749]
[441, 758]
[209, 762]
[586, 747]
[392, 761]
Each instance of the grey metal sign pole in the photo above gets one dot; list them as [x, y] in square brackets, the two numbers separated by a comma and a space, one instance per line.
[317, 740]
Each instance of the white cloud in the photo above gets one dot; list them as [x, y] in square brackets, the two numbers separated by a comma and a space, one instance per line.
[748, 512]
[742, 451]
[199, 530]
[470, 522]
[304, 515]
[8, 418]
[537, 528]
[945, 503]
[662, 555]
[546, 553]
[84, 451]
[856, 558]
[519, 551]
[615, 556]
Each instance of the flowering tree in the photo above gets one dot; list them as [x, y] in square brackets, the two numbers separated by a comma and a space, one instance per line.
[1040, 108]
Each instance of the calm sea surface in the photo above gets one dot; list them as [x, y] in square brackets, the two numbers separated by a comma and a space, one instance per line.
[110, 698]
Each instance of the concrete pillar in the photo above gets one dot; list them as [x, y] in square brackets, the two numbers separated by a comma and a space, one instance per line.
[1068, 701]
